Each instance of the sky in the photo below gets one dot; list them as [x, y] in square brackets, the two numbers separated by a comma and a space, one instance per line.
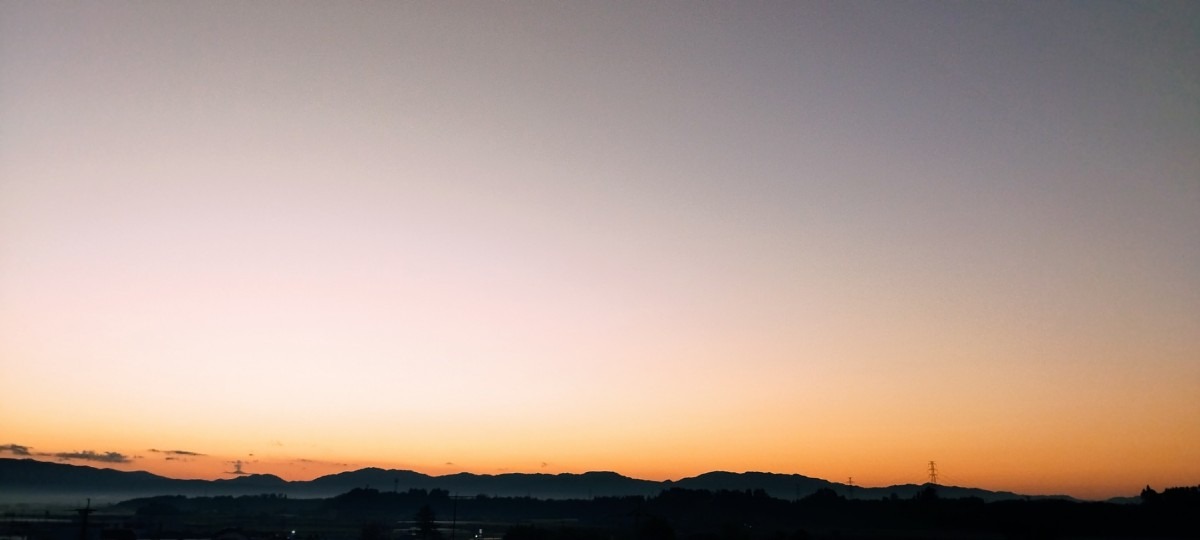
[838, 239]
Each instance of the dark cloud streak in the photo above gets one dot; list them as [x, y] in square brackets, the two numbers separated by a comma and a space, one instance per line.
[89, 455]
[15, 449]
[176, 452]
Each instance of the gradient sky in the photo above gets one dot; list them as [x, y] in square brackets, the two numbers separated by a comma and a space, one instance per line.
[836, 239]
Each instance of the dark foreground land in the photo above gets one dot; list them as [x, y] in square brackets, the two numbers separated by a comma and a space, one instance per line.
[367, 514]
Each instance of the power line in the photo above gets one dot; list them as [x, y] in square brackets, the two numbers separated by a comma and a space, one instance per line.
[933, 472]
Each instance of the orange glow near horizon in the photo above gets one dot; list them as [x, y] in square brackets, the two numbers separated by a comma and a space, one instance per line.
[969, 459]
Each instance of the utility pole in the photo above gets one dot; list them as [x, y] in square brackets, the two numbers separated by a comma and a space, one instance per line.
[83, 519]
[933, 472]
[453, 516]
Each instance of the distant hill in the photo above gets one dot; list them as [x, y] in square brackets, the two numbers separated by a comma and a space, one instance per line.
[28, 480]
[795, 486]
[552, 486]
[782, 486]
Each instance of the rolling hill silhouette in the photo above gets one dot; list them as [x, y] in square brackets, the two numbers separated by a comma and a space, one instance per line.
[29, 480]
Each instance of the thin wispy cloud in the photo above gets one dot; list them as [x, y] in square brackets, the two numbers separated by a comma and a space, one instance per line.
[318, 462]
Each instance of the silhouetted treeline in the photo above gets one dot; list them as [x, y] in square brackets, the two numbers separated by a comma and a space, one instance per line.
[674, 514]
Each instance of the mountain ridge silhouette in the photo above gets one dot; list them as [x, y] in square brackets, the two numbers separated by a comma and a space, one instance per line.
[26, 479]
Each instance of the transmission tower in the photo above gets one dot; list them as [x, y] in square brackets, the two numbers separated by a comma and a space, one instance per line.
[932, 472]
[83, 519]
